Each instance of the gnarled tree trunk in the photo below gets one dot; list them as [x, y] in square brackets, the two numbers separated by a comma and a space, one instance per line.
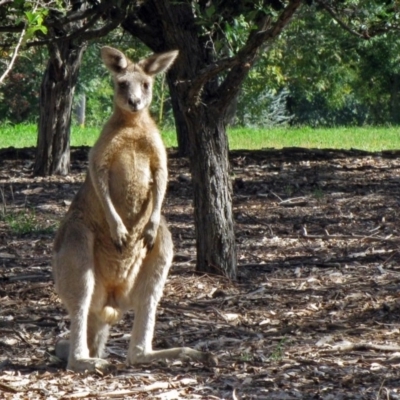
[56, 96]
[215, 238]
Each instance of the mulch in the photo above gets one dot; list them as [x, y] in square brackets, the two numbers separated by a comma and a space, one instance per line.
[315, 313]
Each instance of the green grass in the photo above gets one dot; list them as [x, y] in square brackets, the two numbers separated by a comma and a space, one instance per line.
[84, 136]
[364, 138]
[25, 135]
[22, 135]
[25, 221]
[279, 351]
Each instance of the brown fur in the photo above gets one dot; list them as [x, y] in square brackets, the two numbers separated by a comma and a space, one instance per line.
[113, 249]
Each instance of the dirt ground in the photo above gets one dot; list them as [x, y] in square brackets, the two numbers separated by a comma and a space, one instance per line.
[315, 313]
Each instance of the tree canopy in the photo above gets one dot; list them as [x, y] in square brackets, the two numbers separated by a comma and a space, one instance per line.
[313, 74]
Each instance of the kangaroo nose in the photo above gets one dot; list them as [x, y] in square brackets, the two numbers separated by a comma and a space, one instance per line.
[134, 103]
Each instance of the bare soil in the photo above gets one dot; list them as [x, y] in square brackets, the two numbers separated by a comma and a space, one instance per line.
[315, 313]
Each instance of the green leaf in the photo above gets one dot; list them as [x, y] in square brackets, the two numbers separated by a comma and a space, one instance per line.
[210, 11]
[30, 16]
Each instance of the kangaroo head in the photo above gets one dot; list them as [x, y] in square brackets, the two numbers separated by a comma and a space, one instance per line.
[133, 82]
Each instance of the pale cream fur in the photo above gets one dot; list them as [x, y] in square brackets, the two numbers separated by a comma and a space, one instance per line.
[113, 249]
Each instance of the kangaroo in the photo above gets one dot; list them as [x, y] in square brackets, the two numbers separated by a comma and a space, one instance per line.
[113, 249]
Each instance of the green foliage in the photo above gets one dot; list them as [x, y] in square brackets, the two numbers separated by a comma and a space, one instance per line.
[29, 15]
[25, 222]
[316, 73]
[35, 18]
[22, 222]
[333, 78]
[367, 18]
[94, 83]
[318, 193]
[330, 70]
[19, 95]
[235, 33]
[246, 357]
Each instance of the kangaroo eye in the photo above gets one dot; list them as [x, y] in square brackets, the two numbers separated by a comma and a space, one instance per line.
[122, 85]
[146, 85]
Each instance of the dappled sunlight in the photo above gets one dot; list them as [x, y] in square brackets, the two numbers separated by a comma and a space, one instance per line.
[315, 310]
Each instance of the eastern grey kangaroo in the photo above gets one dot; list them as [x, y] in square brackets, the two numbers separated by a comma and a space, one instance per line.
[113, 249]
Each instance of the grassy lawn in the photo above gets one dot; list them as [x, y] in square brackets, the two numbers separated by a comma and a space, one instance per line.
[364, 138]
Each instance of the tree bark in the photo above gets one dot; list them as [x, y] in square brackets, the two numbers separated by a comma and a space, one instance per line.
[394, 98]
[81, 110]
[215, 238]
[180, 122]
[56, 96]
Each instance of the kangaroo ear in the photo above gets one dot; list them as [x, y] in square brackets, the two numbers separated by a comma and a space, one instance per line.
[158, 62]
[113, 59]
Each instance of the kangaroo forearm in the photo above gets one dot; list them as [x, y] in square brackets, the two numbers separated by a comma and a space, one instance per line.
[100, 184]
[159, 189]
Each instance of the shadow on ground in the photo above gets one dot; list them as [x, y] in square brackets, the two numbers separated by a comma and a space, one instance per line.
[315, 313]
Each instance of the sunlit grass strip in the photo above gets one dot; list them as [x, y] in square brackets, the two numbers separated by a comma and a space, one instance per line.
[84, 136]
[363, 138]
[25, 135]
[22, 135]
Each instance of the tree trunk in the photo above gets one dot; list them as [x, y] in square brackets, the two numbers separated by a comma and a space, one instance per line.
[215, 238]
[56, 96]
[207, 142]
[180, 122]
[81, 110]
[394, 98]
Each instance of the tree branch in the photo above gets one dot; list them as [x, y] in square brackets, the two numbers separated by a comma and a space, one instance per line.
[100, 8]
[13, 28]
[84, 33]
[104, 30]
[74, 16]
[334, 15]
[247, 55]
[13, 57]
[208, 73]
[145, 23]
[88, 35]
[143, 32]
[365, 34]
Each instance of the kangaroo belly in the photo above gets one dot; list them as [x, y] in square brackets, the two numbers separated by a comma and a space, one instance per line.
[130, 183]
[118, 267]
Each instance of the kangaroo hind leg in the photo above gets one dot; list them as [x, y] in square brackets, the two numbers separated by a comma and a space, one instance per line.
[73, 266]
[97, 335]
[146, 295]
